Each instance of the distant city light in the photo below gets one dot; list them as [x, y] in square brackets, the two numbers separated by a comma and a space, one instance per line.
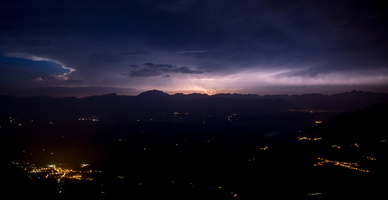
[84, 165]
[336, 146]
[348, 165]
[309, 138]
[52, 171]
[266, 148]
[90, 119]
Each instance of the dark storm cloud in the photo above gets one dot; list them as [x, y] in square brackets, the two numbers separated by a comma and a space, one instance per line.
[100, 39]
[151, 69]
[134, 53]
[37, 43]
[144, 72]
[246, 31]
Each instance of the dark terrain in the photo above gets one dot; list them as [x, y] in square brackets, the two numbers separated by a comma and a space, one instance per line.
[226, 146]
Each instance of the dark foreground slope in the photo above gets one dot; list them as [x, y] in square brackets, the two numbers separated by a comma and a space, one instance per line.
[352, 156]
[364, 125]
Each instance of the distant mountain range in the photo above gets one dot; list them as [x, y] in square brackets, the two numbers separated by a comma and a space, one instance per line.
[157, 102]
[269, 114]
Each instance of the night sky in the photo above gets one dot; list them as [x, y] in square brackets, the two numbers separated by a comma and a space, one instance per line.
[65, 48]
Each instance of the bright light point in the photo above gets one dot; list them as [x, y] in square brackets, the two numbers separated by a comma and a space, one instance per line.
[84, 165]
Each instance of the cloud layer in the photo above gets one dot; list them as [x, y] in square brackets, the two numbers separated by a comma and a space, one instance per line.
[164, 70]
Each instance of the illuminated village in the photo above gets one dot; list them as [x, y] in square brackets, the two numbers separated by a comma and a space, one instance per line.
[55, 172]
